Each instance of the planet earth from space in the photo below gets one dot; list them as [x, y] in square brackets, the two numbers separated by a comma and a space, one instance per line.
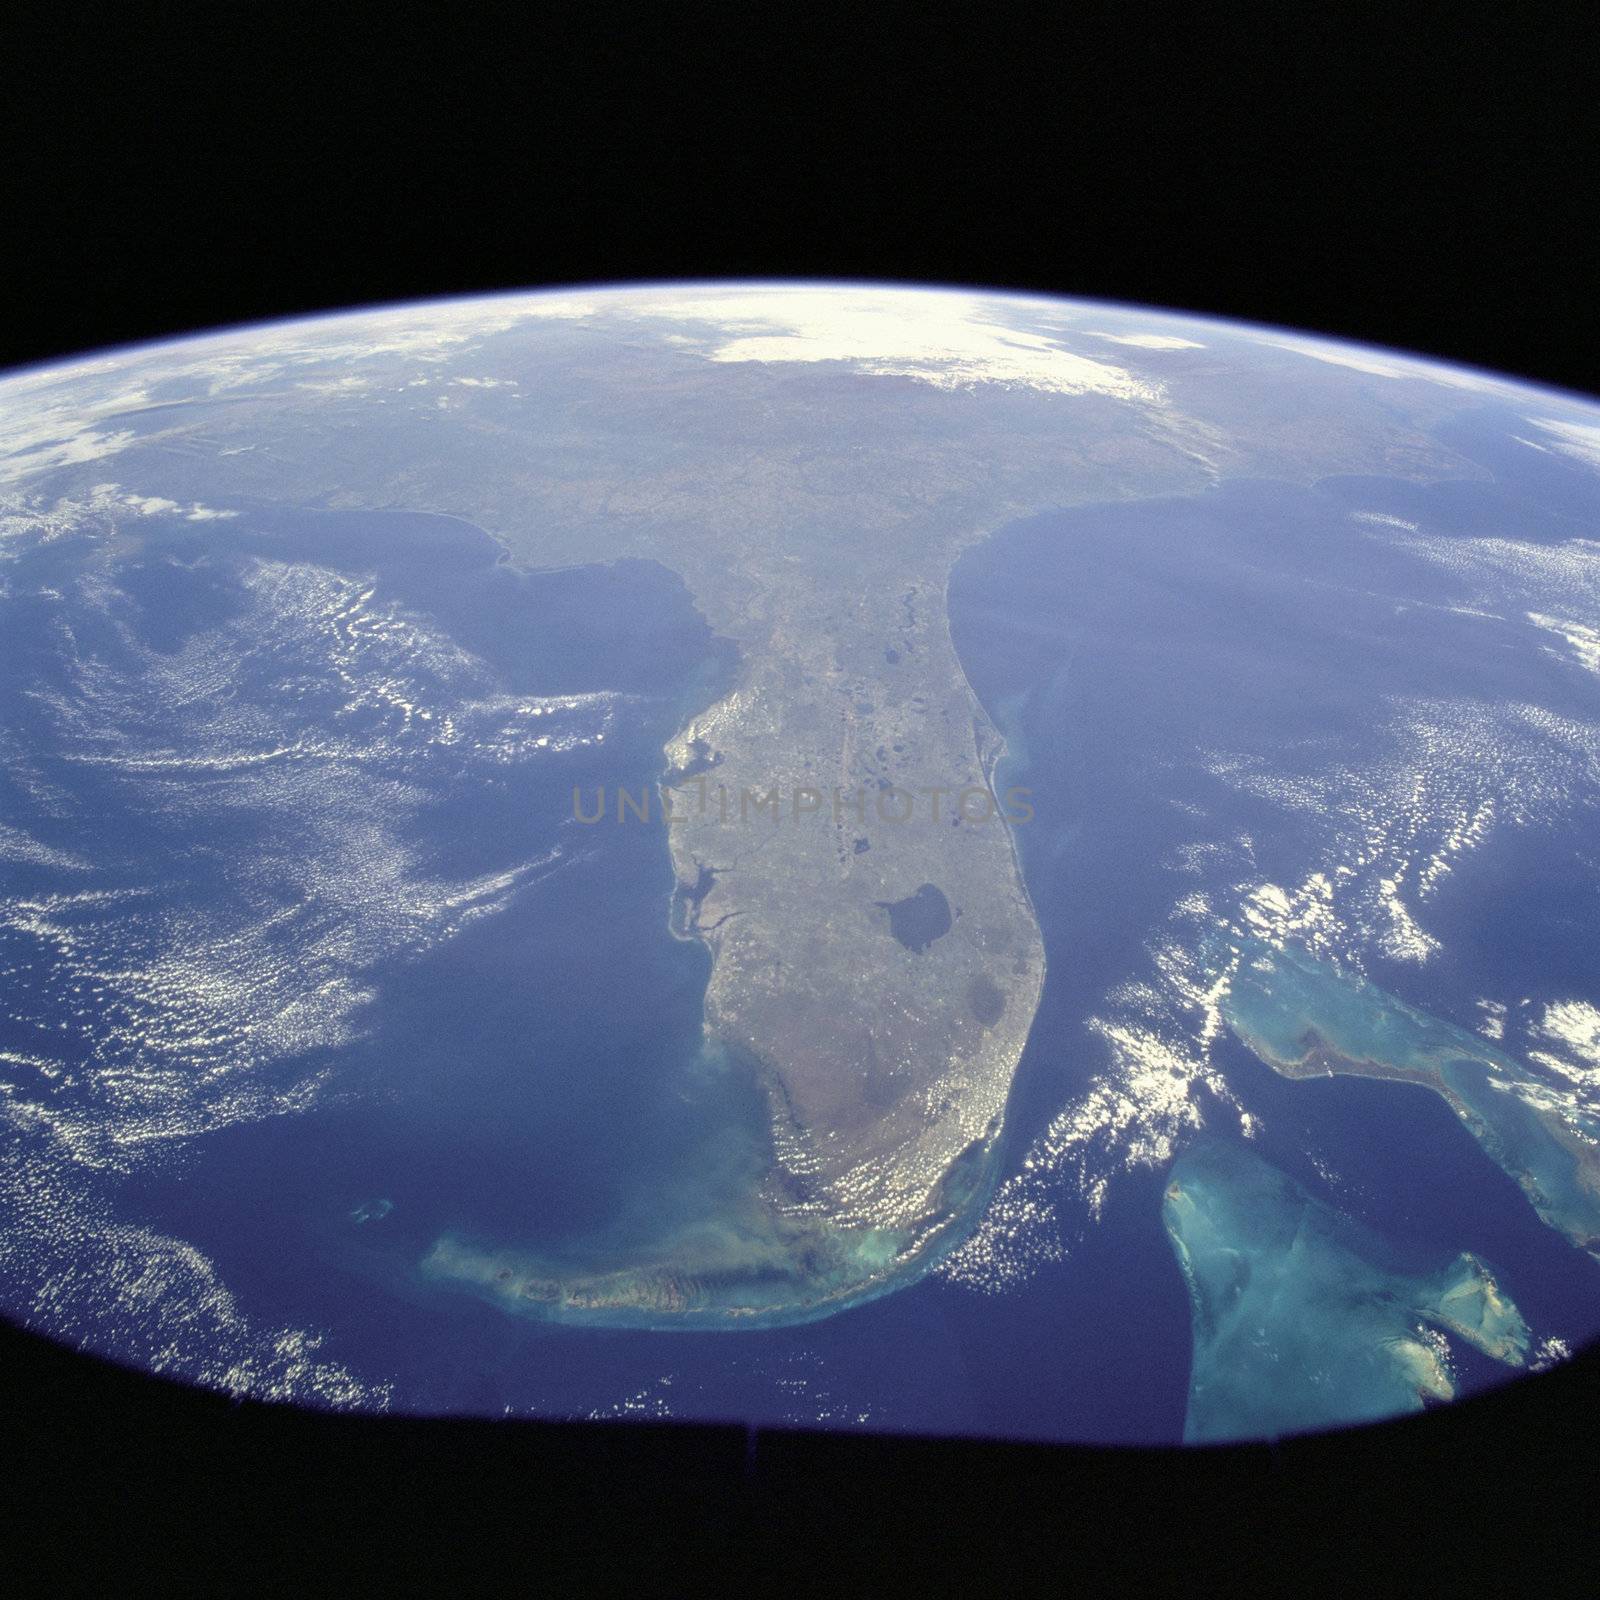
[845, 855]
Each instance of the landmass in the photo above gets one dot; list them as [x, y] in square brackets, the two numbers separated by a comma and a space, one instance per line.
[1306, 1019]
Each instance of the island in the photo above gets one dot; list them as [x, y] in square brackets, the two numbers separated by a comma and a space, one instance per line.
[1305, 1019]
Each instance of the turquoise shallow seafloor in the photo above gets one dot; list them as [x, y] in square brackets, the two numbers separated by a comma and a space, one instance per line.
[705, 1255]
[1284, 1003]
[1302, 1318]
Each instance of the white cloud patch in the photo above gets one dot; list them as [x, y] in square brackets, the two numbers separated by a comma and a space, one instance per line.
[1582, 640]
[39, 433]
[1157, 1080]
[104, 1283]
[428, 332]
[1384, 364]
[1556, 585]
[207, 1004]
[27, 521]
[1148, 341]
[70, 413]
[1571, 1028]
[947, 339]
[1579, 440]
[152, 505]
[1394, 829]
[1383, 519]
[349, 384]
[1492, 1024]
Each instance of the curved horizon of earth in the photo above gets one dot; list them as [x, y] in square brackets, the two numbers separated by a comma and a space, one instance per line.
[551, 811]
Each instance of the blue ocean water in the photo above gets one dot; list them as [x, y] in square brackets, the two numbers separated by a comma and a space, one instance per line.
[1260, 618]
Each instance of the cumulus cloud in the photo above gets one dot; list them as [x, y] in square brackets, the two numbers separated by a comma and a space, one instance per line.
[153, 505]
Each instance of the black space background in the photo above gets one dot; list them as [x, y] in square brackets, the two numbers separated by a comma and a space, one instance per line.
[1413, 181]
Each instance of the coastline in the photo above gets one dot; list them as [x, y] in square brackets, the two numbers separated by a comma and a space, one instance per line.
[944, 1223]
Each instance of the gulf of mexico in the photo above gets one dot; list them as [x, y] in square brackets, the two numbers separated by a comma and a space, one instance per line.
[537, 1076]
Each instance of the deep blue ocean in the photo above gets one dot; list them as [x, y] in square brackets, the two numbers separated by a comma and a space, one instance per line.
[1116, 643]
[535, 1077]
